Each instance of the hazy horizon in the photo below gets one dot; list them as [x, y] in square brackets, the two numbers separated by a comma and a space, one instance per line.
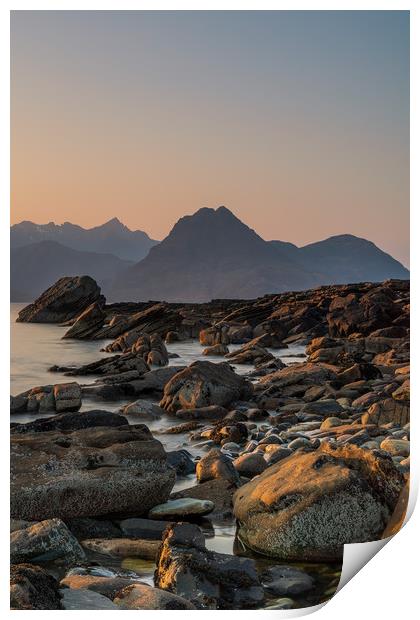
[297, 121]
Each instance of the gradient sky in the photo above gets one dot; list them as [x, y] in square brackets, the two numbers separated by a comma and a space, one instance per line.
[296, 121]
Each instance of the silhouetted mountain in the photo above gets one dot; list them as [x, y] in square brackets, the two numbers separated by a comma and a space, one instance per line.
[212, 254]
[346, 258]
[37, 266]
[113, 237]
[207, 255]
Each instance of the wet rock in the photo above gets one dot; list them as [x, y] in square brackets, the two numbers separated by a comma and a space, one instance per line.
[203, 384]
[216, 465]
[219, 491]
[213, 412]
[307, 506]
[87, 323]
[286, 581]
[216, 349]
[250, 465]
[31, 587]
[148, 529]
[86, 527]
[181, 461]
[75, 599]
[324, 408]
[103, 581]
[184, 508]
[142, 596]
[45, 541]
[64, 300]
[117, 365]
[123, 547]
[88, 472]
[251, 353]
[143, 408]
[208, 579]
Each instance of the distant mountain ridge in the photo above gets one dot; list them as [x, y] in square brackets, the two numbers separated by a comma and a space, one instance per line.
[212, 254]
[37, 266]
[113, 237]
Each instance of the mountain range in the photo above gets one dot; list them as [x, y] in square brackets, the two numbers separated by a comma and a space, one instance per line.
[210, 254]
[113, 237]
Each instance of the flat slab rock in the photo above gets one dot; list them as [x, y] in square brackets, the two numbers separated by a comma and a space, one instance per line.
[88, 472]
[76, 599]
[142, 596]
[182, 508]
[123, 547]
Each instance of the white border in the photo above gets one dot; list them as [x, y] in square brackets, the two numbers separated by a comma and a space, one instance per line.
[387, 584]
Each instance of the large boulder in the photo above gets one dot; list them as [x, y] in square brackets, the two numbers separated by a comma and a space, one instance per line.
[63, 301]
[307, 506]
[87, 472]
[203, 384]
[208, 579]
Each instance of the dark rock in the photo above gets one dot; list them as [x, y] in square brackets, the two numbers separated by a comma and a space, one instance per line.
[181, 461]
[87, 323]
[286, 581]
[64, 300]
[148, 529]
[208, 579]
[72, 422]
[216, 465]
[31, 587]
[45, 541]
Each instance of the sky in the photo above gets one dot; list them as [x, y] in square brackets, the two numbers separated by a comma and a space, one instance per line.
[297, 121]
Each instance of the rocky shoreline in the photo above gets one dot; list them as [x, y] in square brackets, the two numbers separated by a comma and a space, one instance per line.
[295, 458]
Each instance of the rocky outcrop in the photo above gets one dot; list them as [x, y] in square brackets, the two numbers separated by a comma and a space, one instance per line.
[203, 384]
[208, 579]
[306, 507]
[63, 301]
[87, 323]
[88, 472]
